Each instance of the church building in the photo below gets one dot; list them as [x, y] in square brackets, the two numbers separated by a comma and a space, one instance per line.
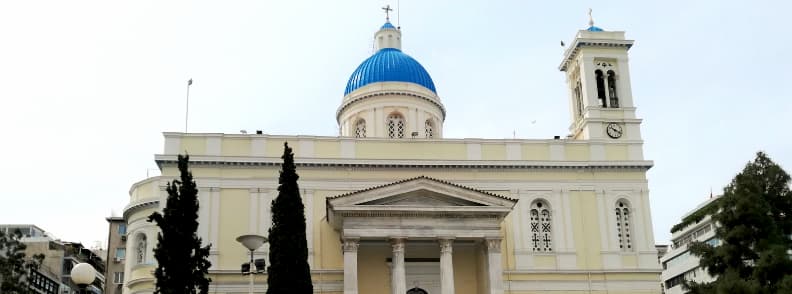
[394, 206]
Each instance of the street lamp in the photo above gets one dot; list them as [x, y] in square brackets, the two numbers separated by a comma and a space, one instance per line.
[83, 274]
[252, 242]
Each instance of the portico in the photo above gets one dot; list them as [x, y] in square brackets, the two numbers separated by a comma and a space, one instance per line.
[426, 211]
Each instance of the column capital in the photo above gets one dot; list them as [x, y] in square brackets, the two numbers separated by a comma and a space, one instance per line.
[397, 243]
[446, 244]
[350, 244]
[493, 244]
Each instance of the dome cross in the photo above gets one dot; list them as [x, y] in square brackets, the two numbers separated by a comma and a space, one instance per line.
[387, 10]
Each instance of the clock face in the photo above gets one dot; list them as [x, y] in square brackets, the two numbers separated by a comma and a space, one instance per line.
[614, 130]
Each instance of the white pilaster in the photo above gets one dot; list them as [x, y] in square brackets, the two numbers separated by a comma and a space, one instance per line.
[398, 278]
[494, 266]
[203, 215]
[253, 200]
[446, 266]
[309, 220]
[350, 246]
[214, 216]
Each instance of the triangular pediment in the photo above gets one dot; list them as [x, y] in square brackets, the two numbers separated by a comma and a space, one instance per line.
[422, 197]
[391, 205]
[421, 192]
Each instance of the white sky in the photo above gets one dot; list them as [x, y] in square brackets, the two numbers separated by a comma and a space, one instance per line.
[87, 87]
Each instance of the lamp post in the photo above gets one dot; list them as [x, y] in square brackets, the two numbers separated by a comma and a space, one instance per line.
[252, 242]
[83, 274]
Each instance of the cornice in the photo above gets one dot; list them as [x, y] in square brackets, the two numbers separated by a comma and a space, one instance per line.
[136, 206]
[574, 48]
[357, 99]
[239, 161]
[606, 271]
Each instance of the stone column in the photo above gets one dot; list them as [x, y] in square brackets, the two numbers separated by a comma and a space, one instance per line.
[446, 266]
[494, 265]
[398, 278]
[350, 246]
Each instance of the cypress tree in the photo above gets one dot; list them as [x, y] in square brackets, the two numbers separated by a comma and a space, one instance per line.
[182, 264]
[755, 224]
[288, 271]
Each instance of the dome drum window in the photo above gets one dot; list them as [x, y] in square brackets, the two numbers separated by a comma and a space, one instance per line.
[429, 128]
[360, 129]
[395, 126]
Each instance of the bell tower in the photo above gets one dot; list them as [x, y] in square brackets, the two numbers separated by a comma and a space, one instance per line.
[597, 71]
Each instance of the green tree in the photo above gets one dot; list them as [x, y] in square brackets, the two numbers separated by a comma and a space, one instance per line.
[182, 264]
[755, 224]
[288, 271]
[15, 267]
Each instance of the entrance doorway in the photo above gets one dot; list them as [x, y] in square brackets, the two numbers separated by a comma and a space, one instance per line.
[422, 276]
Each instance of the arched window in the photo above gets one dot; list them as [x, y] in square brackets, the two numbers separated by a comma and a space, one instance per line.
[360, 128]
[541, 227]
[600, 87]
[614, 100]
[429, 128]
[578, 100]
[395, 126]
[623, 228]
[140, 249]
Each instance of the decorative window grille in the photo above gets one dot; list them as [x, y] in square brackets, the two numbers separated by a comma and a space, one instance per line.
[360, 129]
[395, 126]
[623, 229]
[541, 227]
[429, 128]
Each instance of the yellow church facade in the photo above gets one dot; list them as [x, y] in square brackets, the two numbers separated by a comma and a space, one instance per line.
[394, 207]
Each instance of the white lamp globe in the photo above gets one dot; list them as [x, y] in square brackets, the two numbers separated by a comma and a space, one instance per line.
[252, 242]
[83, 274]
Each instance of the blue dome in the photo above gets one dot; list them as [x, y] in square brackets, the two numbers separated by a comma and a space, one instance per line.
[594, 29]
[387, 25]
[389, 65]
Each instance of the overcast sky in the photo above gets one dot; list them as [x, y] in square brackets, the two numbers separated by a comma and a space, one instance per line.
[87, 87]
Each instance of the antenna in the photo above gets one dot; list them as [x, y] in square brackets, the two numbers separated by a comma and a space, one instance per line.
[398, 17]
[187, 106]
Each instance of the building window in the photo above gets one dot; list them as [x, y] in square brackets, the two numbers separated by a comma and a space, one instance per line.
[122, 229]
[429, 128]
[140, 250]
[395, 126]
[120, 253]
[118, 277]
[578, 100]
[360, 128]
[623, 228]
[600, 88]
[541, 227]
[614, 101]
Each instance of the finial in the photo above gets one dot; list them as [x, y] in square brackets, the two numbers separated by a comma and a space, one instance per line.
[591, 19]
[387, 9]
